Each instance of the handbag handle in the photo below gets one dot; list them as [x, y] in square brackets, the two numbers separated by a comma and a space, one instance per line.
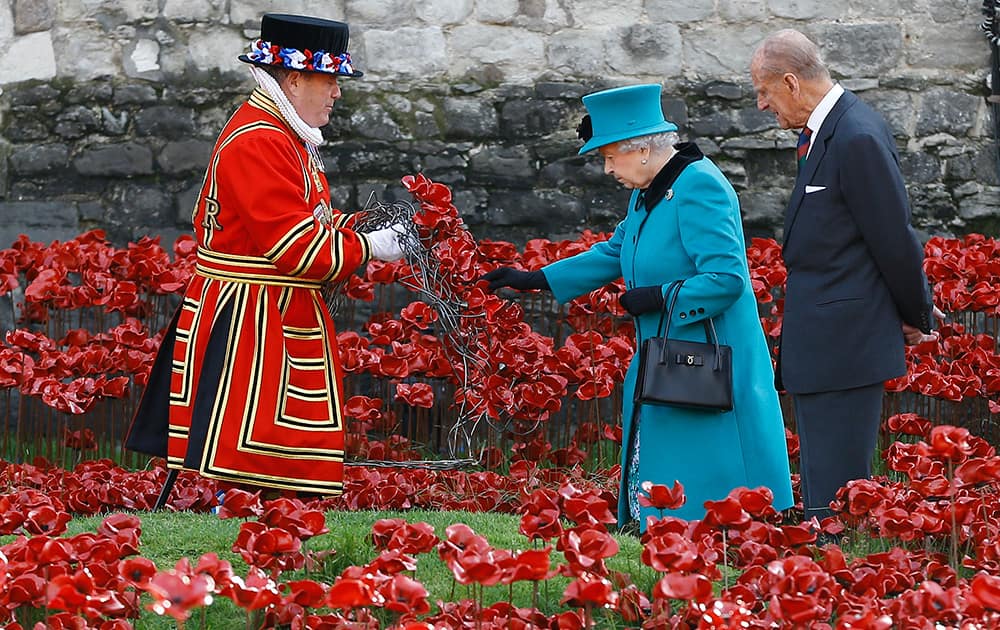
[707, 323]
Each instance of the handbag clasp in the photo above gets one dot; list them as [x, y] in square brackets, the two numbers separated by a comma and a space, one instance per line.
[694, 360]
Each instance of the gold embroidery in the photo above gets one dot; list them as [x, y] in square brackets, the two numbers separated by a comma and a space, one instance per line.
[211, 220]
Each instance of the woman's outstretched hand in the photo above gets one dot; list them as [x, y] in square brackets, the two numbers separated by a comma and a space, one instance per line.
[515, 279]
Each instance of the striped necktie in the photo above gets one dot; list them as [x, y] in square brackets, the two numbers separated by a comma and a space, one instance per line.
[802, 149]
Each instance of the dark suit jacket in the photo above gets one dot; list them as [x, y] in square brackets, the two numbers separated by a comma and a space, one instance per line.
[855, 265]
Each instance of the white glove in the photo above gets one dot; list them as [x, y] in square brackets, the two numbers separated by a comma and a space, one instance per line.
[385, 243]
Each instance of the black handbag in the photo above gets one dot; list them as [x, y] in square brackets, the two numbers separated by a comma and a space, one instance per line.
[682, 373]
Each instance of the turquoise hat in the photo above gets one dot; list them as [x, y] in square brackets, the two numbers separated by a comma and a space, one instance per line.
[623, 113]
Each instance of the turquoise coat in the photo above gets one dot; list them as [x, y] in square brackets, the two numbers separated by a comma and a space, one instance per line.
[694, 234]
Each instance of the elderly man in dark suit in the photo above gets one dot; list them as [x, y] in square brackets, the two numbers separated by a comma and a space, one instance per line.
[856, 289]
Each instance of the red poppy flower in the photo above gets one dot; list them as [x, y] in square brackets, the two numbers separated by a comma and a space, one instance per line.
[589, 590]
[253, 593]
[661, 497]
[292, 516]
[306, 593]
[219, 570]
[237, 503]
[986, 590]
[46, 520]
[908, 424]
[137, 571]
[82, 440]
[671, 552]
[175, 593]
[585, 549]
[404, 595]
[269, 548]
[417, 394]
[726, 513]
[532, 565]
[392, 561]
[588, 508]
[542, 526]
[348, 593]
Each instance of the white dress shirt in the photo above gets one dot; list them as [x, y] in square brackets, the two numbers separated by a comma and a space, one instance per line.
[819, 114]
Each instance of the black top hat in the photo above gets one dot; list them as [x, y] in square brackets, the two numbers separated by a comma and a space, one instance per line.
[302, 43]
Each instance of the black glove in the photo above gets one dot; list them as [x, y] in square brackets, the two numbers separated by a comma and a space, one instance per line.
[515, 279]
[642, 300]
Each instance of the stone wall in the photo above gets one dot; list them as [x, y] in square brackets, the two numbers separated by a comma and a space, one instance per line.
[110, 108]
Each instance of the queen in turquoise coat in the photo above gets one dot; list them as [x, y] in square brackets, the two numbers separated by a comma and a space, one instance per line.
[682, 223]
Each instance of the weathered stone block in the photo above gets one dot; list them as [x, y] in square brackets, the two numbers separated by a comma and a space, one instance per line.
[896, 106]
[496, 11]
[123, 159]
[142, 59]
[944, 46]
[405, 52]
[39, 95]
[193, 10]
[77, 121]
[771, 169]
[591, 14]
[184, 203]
[134, 10]
[369, 159]
[866, 50]
[742, 10]
[375, 122]
[81, 52]
[573, 170]
[141, 204]
[804, 9]
[470, 118]
[248, 12]
[986, 203]
[474, 51]
[572, 52]
[868, 9]
[444, 11]
[946, 111]
[40, 214]
[552, 209]
[764, 206]
[208, 49]
[39, 159]
[89, 94]
[26, 127]
[184, 156]
[560, 90]
[502, 166]
[28, 57]
[164, 120]
[646, 49]
[920, 168]
[711, 53]
[725, 90]
[678, 10]
[520, 120]
[32, 16]
[382, 13]
[135, 94]
[112, 123]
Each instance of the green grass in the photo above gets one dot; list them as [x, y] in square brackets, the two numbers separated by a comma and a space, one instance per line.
[167, 537]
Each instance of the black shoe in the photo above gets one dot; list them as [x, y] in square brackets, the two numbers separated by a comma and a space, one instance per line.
[630, 528]
[823, 539]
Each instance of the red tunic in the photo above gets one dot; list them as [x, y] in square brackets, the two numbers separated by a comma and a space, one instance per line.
[255, 383]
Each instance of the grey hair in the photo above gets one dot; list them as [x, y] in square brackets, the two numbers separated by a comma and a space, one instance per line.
[789, 50]
[655, 142]
[278, 73]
